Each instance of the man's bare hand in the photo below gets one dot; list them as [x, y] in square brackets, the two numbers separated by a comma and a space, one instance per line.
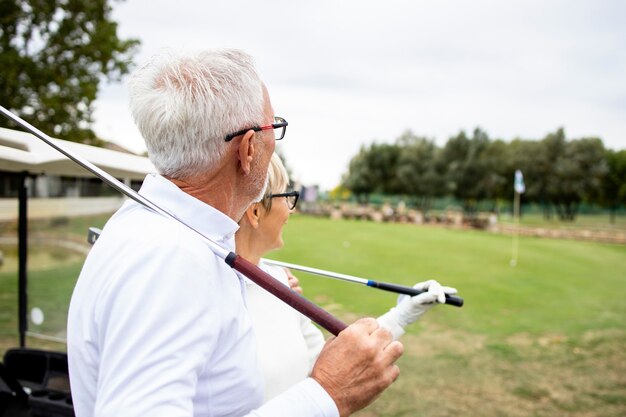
[358, 365]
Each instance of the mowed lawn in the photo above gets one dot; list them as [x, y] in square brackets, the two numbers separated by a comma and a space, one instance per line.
[546, 338]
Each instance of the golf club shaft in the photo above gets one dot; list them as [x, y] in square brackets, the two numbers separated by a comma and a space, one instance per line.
[452, 300]
[261, 278]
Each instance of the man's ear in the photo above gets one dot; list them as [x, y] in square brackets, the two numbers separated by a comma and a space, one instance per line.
[246, 151]
[253, 214]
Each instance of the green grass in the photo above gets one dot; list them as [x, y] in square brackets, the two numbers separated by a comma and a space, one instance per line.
[50, 283]
[558, 286]
[52, 272]
[543, 339]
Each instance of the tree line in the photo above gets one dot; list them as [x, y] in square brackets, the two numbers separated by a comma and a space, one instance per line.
[559, 174]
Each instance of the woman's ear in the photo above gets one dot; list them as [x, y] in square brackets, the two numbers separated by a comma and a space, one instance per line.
[253, 214]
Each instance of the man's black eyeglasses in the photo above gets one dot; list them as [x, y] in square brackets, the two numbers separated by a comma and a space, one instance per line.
[292, 198]
[279, 128]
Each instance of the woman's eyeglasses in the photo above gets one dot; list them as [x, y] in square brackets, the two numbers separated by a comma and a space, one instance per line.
[291, 196]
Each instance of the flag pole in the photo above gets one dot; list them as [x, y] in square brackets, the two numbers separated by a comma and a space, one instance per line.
[519, 187]
[516, 199]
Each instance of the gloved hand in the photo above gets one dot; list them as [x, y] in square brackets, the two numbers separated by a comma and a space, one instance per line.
[410, 309]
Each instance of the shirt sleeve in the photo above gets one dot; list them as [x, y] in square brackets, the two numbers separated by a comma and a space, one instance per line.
[305, 399]
[155, 335]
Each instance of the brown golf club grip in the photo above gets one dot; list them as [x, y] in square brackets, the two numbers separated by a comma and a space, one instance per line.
[278, 289]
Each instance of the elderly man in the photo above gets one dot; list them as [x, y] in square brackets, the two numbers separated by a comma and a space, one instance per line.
[158, 324]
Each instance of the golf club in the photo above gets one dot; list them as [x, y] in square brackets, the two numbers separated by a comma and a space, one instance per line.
[452, 300]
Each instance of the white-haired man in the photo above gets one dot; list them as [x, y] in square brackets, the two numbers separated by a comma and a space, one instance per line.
[158, 324]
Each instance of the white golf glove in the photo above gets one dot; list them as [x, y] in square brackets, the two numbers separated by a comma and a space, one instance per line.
[410, 309]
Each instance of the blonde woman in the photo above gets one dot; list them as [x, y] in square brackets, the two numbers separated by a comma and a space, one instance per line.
[287, 342]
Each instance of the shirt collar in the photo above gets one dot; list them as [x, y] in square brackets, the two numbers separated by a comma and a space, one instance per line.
[207, 220]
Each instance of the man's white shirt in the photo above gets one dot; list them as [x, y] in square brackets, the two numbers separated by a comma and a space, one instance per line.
[158, 324]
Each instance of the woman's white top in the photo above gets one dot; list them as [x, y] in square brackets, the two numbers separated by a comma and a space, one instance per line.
[288, 343]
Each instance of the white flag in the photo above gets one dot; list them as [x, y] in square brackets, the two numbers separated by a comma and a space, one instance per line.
[519, 182]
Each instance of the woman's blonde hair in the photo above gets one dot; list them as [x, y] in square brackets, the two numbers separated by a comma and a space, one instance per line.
[277, 181]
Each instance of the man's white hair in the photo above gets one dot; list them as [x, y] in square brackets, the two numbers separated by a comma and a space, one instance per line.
[185, 105]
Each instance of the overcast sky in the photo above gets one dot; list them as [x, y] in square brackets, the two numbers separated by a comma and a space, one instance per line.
[347, 73]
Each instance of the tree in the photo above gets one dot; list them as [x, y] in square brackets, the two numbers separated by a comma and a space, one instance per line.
[466, 167]
[552, 149]
[358, 180]
[418, 169]
[383, 163]
[373, 170]
[524, 155]
[493, 162]
[453, 156]
[53, 56]
[578, 172]
[614, 182]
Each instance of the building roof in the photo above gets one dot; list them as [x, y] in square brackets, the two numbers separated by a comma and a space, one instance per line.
[21, 151]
